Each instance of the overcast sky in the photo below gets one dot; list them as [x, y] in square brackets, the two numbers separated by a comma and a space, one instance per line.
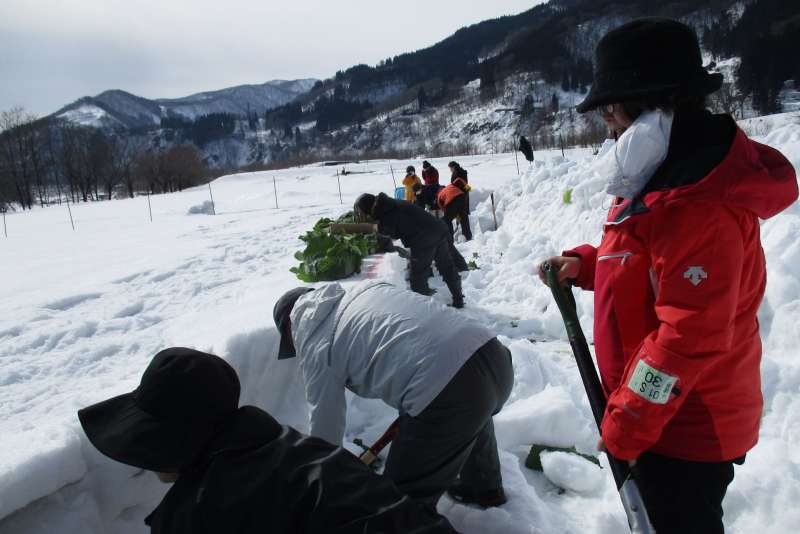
[55, 51]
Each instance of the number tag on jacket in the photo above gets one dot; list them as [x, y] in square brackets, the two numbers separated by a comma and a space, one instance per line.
[651, 384]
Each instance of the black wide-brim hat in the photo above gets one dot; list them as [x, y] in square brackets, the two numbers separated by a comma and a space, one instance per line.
[164, 425]
[646, 57]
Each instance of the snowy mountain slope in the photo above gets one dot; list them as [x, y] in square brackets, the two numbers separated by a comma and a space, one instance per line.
[238, 100]
[114, 109]
[469, 124]
[210, 281]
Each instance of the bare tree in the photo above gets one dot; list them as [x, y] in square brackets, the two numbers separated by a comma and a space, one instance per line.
[52, 155]
[147, 170]
[124, 151]
[75, 161]
[182, 168]
[34, 138]
[729, 100]
[17, 171]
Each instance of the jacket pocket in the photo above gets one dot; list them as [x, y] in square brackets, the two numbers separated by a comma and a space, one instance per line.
[622, 257]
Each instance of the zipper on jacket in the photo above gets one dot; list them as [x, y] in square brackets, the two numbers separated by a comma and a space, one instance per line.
[623, 255]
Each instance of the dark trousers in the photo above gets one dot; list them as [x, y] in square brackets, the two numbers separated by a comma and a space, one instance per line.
[464, 219]
[455, 434]
[682, 496]
[427, 196]
[458, 259]
[448, 262]
[458, 209]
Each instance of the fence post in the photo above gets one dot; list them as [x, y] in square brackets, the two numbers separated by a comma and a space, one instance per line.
[149, 207]
[561, 140]
[71, 221]
[5, 230]
[339, 181]
[213, 208]
[275, 187]
[516, 158]
[493, 212]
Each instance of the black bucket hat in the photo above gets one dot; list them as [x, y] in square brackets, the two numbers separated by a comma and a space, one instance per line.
[646, 57]
[165, 424]
[281, 312]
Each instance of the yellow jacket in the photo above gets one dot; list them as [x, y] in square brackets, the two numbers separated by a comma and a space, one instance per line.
[409, 182]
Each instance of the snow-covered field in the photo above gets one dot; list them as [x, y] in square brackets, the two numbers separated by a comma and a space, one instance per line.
[82, 312]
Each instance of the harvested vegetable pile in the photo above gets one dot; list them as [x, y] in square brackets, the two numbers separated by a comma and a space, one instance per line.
[332, 256]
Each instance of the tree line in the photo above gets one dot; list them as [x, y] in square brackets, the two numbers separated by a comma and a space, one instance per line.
[206, 128]
[766, 38]
[50, 160]
[537, 40]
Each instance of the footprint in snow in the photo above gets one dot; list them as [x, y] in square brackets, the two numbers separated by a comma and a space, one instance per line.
[87, 329]
[70, 302]
[130, 310]
[14, 331]
[163, 276]
[130, 278]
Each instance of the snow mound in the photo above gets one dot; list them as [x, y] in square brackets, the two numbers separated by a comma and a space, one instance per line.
[547, 418]
[206, 208]
[571, 472]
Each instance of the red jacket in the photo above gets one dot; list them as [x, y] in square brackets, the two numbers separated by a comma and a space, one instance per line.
[678, 279]
[430, 176]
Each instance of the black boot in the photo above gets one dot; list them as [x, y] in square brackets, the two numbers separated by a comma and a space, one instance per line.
[422, 287]
[484, 499]
[458, 301]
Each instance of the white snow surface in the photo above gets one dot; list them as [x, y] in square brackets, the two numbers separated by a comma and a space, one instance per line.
[82, 312]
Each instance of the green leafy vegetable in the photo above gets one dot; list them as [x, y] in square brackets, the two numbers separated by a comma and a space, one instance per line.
[332, 256]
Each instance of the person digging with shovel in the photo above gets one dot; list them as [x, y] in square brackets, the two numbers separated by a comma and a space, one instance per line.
[679, 273]
[446, 375]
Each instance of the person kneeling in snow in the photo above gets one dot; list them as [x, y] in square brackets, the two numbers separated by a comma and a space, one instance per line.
[425, 235]
[679, 274]
[235, 469]
[445, 374]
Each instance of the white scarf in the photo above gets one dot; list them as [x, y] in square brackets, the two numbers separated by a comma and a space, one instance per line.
[629, 163]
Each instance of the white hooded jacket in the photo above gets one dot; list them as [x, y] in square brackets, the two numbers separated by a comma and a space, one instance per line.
[380, 342]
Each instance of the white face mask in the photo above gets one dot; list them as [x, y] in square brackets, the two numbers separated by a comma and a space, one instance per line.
[631, 162]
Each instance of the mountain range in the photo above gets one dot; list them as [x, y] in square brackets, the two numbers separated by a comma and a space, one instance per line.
[120, 110]
[475, 90]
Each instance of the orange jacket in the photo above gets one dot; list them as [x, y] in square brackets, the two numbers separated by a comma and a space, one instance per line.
[409, 182]
[450, 192]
